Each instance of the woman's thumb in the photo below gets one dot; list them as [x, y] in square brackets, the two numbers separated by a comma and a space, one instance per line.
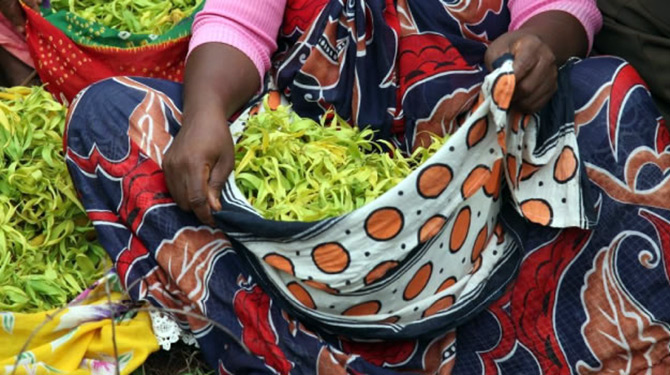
[217, 179]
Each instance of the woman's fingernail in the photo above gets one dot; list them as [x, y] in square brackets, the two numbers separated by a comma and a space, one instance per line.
[214, 201]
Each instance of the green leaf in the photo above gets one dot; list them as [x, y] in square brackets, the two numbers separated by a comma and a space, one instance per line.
[45, 287]
[15, 294]
[85, 264]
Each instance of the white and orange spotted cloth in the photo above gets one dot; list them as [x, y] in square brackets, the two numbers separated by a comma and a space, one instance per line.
[429, 252]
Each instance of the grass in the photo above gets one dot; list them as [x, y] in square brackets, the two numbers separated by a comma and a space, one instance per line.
[180, 360]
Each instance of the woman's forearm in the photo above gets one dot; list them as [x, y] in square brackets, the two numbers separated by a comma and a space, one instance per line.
[230, 52]
[219, 79]
[561, 32]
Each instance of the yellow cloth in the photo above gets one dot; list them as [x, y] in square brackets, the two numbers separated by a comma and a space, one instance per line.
[77, 340]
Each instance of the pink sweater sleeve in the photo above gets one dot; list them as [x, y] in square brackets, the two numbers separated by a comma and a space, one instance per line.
[251, 26]
[585, 11]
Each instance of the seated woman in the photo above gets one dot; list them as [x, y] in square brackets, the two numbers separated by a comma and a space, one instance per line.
[583, 301]
[16, 65]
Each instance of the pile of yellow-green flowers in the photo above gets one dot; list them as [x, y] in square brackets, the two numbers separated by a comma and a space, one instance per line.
[295, 169]
[135, 16]
[48, 251]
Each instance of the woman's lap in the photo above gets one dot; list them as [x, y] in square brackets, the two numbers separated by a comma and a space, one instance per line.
[150, 239]
[164, 255]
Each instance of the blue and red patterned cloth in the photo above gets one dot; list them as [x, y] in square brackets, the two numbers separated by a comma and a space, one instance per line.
[583, 301]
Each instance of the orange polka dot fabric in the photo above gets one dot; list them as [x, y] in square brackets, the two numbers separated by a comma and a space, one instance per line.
[431, 249]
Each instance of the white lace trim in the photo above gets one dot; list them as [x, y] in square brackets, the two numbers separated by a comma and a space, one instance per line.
[168, 332]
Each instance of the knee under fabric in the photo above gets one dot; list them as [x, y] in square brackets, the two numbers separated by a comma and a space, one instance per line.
[639, 31]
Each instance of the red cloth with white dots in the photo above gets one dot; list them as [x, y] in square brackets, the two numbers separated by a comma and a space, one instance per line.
[67, 67]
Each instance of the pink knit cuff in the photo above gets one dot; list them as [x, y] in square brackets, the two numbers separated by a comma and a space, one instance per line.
[251, 26]
[232, 34]
[585, 11]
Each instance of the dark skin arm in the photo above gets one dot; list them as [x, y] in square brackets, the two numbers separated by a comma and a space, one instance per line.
[218, 81]
[540, 46]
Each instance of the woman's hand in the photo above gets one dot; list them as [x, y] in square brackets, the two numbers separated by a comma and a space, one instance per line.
[542, 44]
[198, 163]
[535, 68]
[11, 9]
[219, 79]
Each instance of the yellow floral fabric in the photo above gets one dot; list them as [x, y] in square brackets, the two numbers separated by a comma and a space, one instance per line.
[78, 340]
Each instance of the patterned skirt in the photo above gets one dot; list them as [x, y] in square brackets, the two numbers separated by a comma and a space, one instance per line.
[581, 301]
